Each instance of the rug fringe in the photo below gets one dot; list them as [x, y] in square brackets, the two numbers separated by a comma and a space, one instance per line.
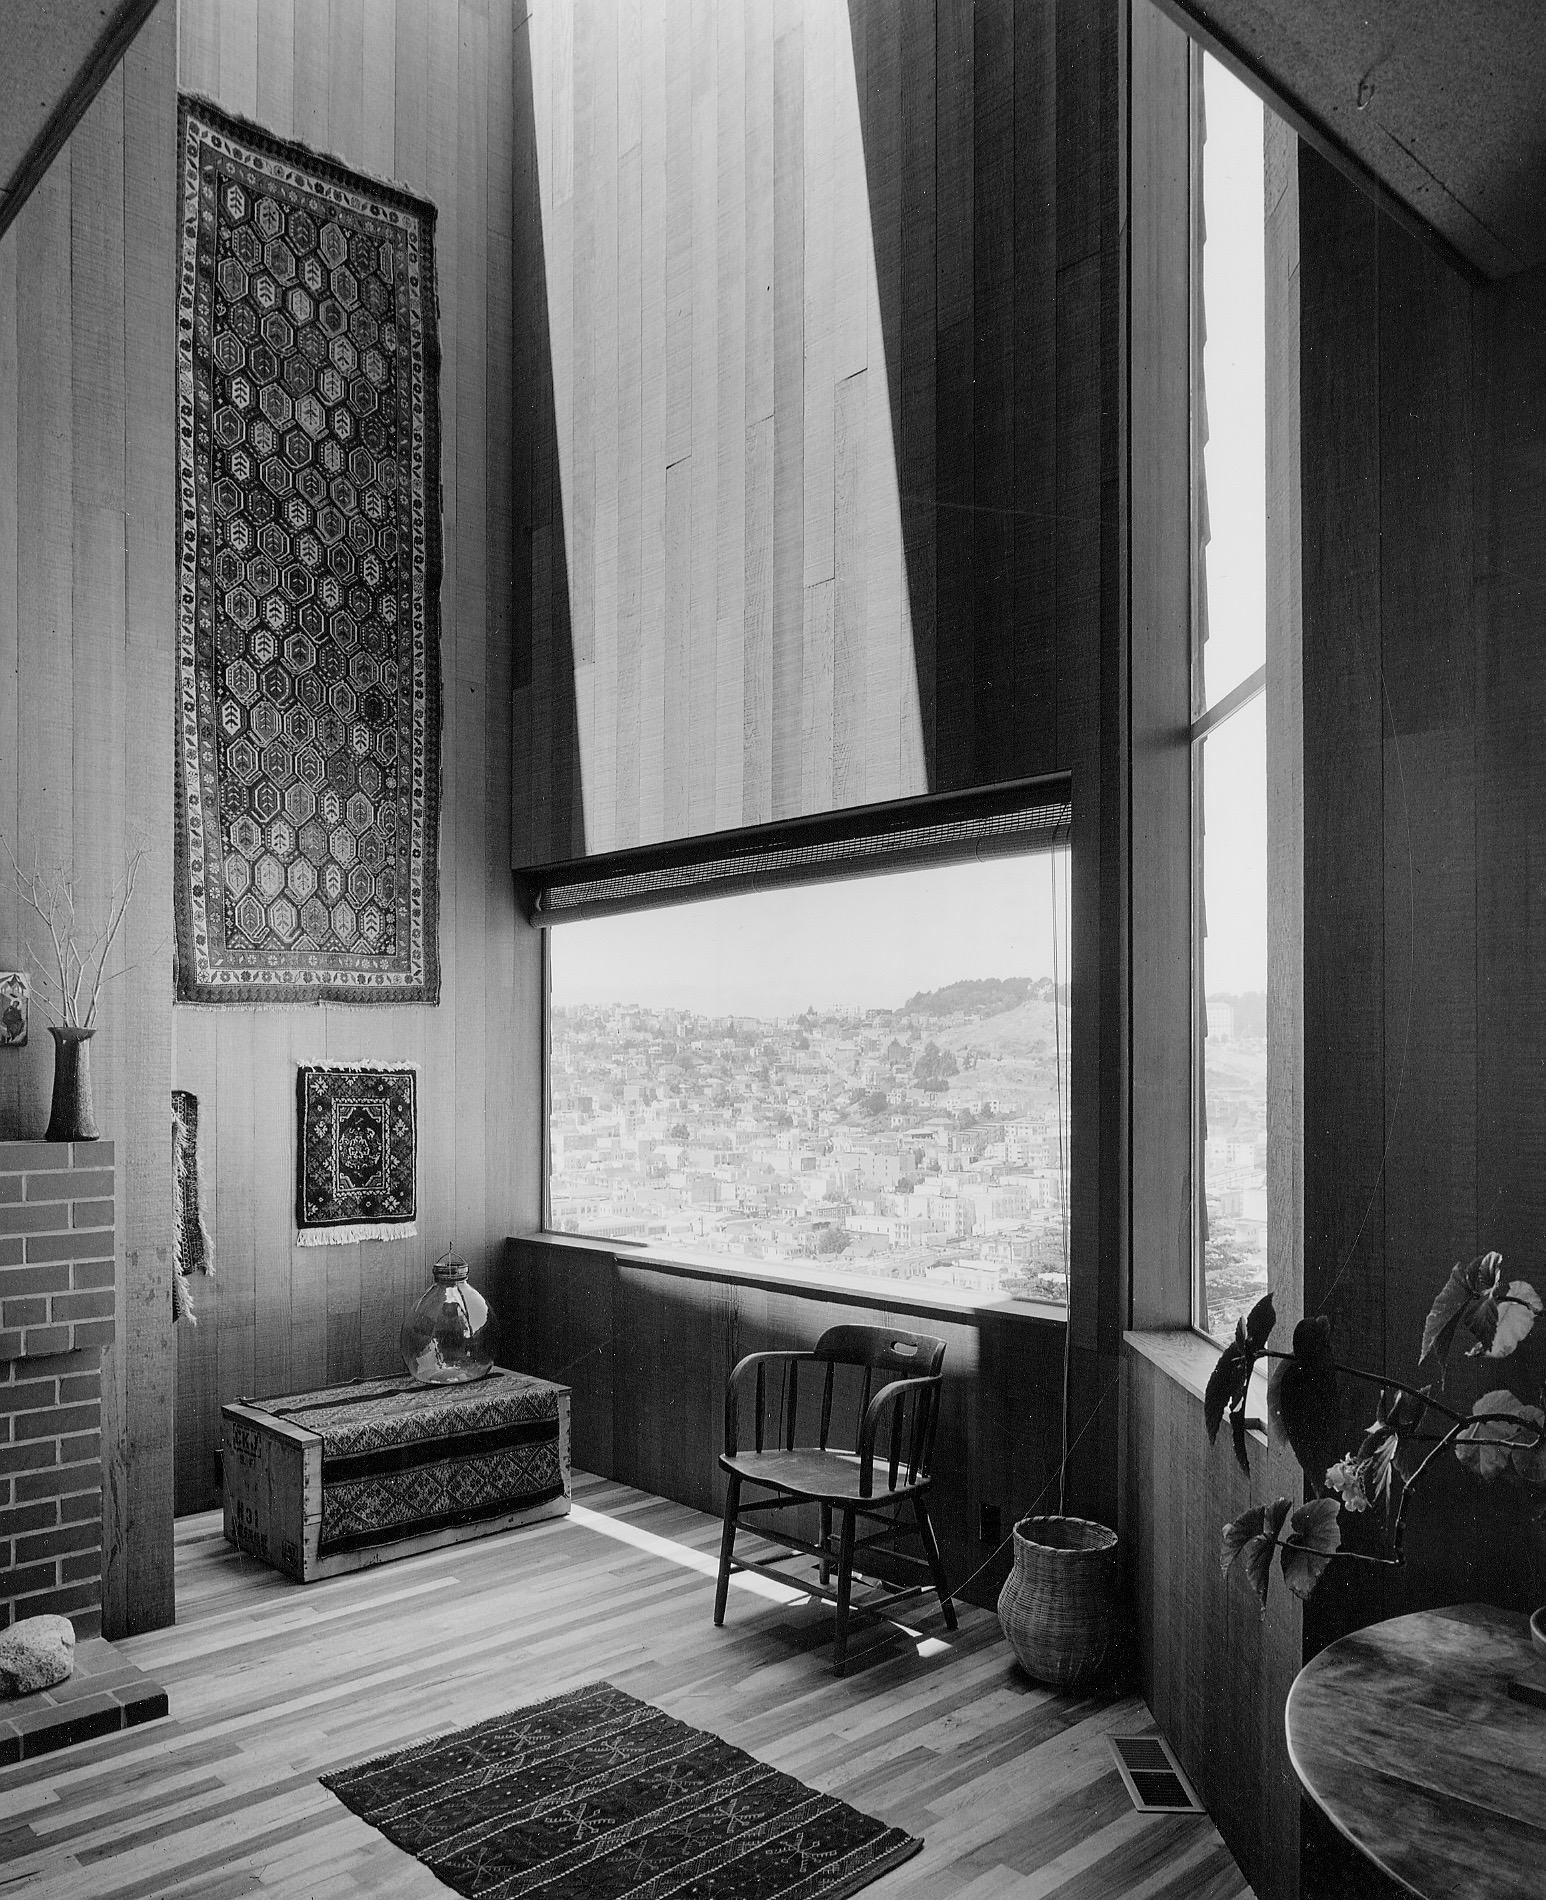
[361, 1230]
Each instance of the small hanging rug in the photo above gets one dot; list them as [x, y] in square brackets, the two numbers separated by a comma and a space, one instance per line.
[356, 1152]
[598, 1795]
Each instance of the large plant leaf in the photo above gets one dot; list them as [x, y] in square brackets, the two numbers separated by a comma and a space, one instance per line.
[1231, 1375]
[1489, 1448]
[1314, 1538]
[1474, 1297]
[1254, 1535]
[1515, 1313]
[1302, 1399]
[1259, 1322]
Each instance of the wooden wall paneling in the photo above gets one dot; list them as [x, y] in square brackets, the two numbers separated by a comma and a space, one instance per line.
[881, 736]
[142, 1063]
[677, 363]
[1344, 725]
[655, 405]
[1160, 382]
[788, 406]
[601, 244]
[995, 603]
[423, 94]
[818, 176]
[309, 77]
[1035, 384]
[851, 571]
[756, 805]
[237, 71]
[919, 290]
[198, 46]
[470, 736]
[276, 63]
[702, 644]
[729, 493]
[1430, 814]
[954, 415]
[16, 1074]
[1509, 409]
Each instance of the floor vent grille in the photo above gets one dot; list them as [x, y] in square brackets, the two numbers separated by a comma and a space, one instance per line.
[1153, 1775]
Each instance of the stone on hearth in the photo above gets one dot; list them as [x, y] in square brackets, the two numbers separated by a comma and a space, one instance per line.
[36, 1653]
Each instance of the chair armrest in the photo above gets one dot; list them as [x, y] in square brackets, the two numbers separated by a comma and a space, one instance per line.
[755, 1360]
[884, 1397]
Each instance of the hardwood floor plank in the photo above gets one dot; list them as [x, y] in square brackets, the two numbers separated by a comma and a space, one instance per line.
[272, 1684]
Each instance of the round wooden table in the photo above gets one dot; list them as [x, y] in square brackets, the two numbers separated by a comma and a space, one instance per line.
[1406, 1738]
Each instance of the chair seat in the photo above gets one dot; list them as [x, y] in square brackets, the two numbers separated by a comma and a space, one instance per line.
[826, 1477]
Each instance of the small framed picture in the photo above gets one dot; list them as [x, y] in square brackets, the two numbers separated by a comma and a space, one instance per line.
[13, 1009]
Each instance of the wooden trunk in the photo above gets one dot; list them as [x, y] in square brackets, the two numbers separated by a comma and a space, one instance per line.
[273, 1481]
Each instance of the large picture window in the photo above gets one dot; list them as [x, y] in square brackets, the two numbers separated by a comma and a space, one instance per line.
[1228, 734]
[863, 1077]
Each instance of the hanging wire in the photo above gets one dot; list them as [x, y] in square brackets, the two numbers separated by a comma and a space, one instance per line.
[1057, 1046]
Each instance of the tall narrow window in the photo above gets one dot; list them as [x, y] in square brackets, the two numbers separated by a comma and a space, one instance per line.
[1229, 759]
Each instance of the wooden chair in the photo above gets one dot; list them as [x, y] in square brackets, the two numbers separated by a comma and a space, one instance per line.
[836, 1479]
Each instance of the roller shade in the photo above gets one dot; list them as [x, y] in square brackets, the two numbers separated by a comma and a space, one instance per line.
[948, 828]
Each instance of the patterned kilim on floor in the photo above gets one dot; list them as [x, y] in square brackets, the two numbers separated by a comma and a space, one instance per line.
[400, 1458]
[597, 1796]
[308, 722]
[356, 1152]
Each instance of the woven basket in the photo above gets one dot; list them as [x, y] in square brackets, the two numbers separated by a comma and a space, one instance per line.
[1058, 1605]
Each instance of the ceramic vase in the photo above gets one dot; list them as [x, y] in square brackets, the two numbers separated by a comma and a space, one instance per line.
[71, 1117]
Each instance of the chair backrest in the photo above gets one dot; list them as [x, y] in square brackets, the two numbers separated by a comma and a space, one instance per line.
[893, 1354]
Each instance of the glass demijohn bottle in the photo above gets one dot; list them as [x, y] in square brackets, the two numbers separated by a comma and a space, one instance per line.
[451, 1335]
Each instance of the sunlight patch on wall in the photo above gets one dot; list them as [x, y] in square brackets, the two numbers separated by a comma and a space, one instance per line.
[740, 623]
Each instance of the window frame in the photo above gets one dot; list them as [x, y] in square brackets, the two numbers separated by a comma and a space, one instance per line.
[854, 825]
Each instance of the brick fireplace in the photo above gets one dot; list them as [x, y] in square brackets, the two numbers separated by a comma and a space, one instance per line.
[56, 1315]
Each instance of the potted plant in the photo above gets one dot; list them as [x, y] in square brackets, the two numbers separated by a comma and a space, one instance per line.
[71, 977]
[1501, 1439]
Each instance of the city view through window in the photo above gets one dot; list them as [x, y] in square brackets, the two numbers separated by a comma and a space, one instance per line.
[868, 1079]
[1230, 949]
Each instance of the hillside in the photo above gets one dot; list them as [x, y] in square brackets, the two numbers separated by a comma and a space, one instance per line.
[980, 996]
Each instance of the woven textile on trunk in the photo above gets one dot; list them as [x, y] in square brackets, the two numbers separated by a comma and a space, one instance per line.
[192, 1249]
[308, 706]
[356, 1152]
[399, 1458]
[597, 1796]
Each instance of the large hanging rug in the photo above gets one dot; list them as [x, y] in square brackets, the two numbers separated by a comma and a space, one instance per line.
[598, 1795]
[308, 716]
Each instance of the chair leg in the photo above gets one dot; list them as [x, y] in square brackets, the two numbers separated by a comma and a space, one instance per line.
[936, 1568]
[845, 1580]
[726, 1546]
[826, 1545]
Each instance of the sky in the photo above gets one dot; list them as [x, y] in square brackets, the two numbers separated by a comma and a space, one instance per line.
[871, 943]
[1234, 373]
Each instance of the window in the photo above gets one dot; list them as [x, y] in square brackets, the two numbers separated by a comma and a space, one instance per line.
[863, 1077]
[1228, 731]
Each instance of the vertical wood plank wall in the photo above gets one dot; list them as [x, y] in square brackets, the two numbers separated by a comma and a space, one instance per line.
[419, 92]
[1413, 580]
[87, 294]
[818, 493]
[647, 1354]
[1424, 424]
[822, 405]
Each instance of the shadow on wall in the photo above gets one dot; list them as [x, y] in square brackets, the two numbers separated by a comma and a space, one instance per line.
[548, 815]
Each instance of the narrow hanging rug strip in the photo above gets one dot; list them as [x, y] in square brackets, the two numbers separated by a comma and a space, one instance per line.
[192, 1249]
[356, 1149]
[597, 1796]
[307, 766]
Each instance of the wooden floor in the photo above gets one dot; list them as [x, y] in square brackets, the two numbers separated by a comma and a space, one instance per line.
[273, 1683]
